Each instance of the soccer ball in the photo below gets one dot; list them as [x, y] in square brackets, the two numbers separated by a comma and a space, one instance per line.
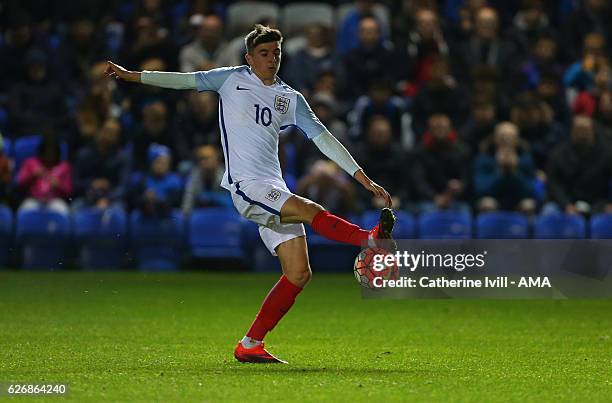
[364, 270]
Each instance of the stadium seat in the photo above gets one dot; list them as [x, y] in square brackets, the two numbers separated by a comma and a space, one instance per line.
[296, 16]
[405, 226]
[216, 232]
[43, 236]
[26, 147]
[559, 226]
[7, 147]
[157, 242]
[445, 224]
[601, 226]
[241, 16]
[101, 236]
[6, 232]
[502, 225]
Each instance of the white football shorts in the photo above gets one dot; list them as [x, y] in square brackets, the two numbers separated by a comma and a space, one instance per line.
[260, 201]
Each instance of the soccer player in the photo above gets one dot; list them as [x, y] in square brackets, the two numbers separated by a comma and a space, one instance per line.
[254, 106]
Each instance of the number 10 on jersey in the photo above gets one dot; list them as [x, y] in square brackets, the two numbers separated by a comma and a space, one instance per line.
[263, 114]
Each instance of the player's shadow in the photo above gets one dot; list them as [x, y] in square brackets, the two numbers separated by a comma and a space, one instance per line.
[279, 368]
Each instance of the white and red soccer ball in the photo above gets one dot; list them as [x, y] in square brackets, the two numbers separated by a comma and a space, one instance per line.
[366, 270]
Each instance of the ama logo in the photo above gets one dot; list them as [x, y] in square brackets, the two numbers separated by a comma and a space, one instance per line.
[540, 282]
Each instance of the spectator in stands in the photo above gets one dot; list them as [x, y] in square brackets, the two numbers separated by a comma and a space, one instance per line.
[485, 46]
[349, 31]
[586, 101]
[101, 170]
[372, 59]
[504, 172]
[196, 124]
[159, 191]
[580, 171]
[534, 119]
[136, 98]
[19, 39]
[95, 107]
[45, 179]
[419, 49]
[541, 59]
[385, 162]
[37, 105]
[306, 64]
[204, 184]
[149, 40]
[603, 115]
[379, 101]
[206, 50]
[330, 186]
[529, 24]
[5, 173]
[404, 13]
[441, 94]
[590, 16]
[551, 91]
[489, 83]
[325, 108]
[441, 170]
[581, 74]
[480, 125]
[81, 49]
[154, 129]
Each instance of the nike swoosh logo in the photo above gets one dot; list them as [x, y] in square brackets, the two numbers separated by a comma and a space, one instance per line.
[239, 88]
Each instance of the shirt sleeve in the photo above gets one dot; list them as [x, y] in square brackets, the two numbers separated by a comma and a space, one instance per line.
[213, 80]
[306, 120]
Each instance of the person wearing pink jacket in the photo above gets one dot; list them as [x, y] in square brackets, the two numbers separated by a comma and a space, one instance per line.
[45, 179]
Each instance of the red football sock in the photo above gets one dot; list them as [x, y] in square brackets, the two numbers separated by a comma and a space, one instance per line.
[337, 229]
[278, 301]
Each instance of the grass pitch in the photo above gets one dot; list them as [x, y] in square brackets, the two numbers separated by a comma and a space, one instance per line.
[132, 336]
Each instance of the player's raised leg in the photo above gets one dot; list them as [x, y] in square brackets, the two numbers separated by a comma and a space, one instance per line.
[301, 210]
[293, 256]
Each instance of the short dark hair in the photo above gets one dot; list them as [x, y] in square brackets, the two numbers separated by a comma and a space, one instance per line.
[261, 34]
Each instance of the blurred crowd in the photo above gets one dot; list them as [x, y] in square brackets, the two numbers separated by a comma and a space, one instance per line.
[470, 105]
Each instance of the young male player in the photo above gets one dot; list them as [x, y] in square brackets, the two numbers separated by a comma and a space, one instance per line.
[254, 106]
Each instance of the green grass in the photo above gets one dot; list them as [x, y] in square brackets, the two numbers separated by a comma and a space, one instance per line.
[131, 336]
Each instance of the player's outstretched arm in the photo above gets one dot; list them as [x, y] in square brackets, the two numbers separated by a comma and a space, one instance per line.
[117, 72]
[176, 81]
[335, 151]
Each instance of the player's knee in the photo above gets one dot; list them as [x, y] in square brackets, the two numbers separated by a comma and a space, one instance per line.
[300, 277]
[312, 211]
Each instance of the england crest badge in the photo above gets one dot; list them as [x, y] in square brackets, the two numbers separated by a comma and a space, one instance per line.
[281, 104]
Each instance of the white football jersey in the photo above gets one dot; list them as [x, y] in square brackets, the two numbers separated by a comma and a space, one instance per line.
[251, 116]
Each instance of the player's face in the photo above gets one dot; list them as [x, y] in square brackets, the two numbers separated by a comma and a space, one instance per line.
[265, 60]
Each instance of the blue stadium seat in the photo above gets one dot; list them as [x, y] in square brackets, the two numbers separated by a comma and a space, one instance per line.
[43, 236]
[405, 226]
[101, 236]
[26, 147]
[559, 226]
[445, 224]
[6, 232]
[158, 243]
[258, 257]
[601, 226]
[502, 225]
[216, 232]
[7, 147]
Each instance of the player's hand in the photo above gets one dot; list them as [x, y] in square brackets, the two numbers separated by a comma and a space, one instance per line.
[373, 187]
[119, 73]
